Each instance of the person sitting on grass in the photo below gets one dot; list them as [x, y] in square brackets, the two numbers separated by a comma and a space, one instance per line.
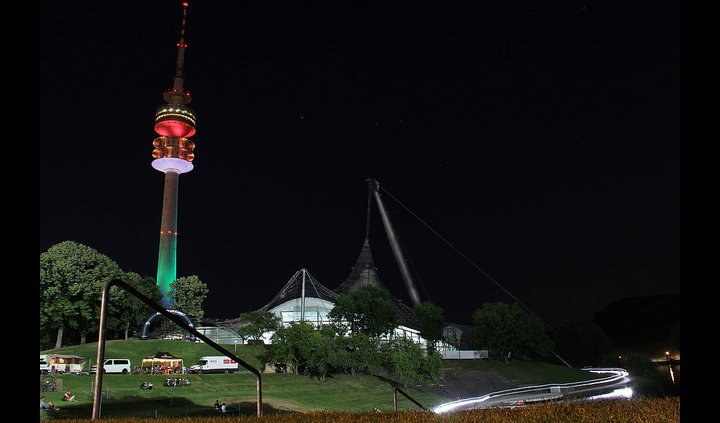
[143, 386]
[49, 405]
[217, 405]
[149, 386]
[68, 397]
[224, 408]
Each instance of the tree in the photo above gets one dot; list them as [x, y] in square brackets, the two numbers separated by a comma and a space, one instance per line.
[292, 345]
[325, 351]
[130, 310]
[638, 320]
[71, 279]
[254, 324]
[368, 310]
[532, 338]
[506, 329]
[361, 353]
[187, 295]
[307, 349]
[407, 361]
[431, 321]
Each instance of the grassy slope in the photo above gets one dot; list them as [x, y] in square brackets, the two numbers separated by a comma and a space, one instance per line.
[280, 391]
[521, 373]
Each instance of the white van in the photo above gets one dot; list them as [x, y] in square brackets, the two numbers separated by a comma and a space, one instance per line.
[214, 364]
[115, 365]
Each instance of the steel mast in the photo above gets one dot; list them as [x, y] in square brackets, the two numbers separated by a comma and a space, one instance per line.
[374, 187]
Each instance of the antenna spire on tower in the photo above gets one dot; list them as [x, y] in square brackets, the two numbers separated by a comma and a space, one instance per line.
[178, 83]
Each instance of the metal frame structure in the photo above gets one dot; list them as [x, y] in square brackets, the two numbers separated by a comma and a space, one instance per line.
[406, 395]
[97, 395]
[146, 326]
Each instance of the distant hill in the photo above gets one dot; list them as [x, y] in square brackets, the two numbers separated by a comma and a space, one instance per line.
[638, 320]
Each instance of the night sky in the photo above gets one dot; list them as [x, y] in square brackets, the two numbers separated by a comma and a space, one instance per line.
[542, 141]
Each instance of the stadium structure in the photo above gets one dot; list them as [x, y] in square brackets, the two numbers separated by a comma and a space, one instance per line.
[304, 298]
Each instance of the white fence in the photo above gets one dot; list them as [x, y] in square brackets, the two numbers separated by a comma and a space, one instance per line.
[464, 354]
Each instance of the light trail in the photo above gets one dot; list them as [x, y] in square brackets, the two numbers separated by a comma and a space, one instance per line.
[546, 392]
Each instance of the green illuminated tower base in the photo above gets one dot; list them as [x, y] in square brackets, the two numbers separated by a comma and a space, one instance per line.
[167, 261]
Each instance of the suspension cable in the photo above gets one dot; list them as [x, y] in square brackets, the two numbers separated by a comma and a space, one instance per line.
[486, 274]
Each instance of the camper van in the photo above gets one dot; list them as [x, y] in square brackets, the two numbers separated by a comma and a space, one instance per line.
[62, 363]
[215, 364]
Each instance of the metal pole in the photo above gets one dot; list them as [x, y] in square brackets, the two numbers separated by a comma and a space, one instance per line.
[258, 387]
[100, 360]
[394, 244]
[561, 359]
[406, 395]
[302, 301]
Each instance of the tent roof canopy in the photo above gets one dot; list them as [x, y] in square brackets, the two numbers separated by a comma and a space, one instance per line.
[365, 273]
[163, 355]
[294, 287]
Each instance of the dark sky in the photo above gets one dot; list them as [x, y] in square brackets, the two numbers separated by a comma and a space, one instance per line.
[542, 141]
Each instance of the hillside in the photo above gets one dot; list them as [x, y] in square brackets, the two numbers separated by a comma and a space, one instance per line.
[282, 393]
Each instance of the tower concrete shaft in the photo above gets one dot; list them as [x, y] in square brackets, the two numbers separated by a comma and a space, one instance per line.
[167, 256]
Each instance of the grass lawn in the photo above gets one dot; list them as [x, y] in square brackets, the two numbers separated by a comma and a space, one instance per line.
[282, 393]
[522, 373]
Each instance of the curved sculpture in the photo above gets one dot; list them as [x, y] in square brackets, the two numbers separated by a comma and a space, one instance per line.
[146, 326]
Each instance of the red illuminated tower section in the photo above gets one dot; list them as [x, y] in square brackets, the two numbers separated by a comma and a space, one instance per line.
[173, 153]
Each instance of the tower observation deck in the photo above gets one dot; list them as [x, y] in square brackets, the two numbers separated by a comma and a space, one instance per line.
[173, 155]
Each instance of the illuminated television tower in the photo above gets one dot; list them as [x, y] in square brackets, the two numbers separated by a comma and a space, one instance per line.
[173, 153]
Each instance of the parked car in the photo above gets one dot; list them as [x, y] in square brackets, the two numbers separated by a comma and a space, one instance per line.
[115, 365]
